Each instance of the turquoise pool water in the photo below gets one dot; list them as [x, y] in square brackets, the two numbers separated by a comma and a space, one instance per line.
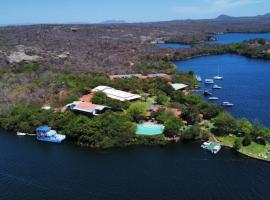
[149, 129]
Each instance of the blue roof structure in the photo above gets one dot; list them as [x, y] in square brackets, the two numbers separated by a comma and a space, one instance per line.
[43, 129]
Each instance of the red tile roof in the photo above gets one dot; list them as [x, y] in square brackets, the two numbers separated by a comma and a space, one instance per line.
[87, 98]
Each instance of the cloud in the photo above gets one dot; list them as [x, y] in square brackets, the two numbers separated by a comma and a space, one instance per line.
[206, 7]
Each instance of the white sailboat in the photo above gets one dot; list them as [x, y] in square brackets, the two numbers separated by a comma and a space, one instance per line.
[198, 78]
[218, 77]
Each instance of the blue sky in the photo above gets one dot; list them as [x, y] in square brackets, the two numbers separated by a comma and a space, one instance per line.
[92, 11]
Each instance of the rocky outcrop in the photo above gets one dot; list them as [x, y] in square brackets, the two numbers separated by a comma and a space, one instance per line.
[23, 54]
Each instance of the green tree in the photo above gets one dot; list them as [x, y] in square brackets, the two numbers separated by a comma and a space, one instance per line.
[137, 111]
[244, 126]
[191, 133]
[225, 123]
[237, 144]
[162, 98]
[247, 140]
[172, 126]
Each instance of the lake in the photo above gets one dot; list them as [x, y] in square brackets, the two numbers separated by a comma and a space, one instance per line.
[32, 170]
[246, 83]
[173, 45]
[238, 37]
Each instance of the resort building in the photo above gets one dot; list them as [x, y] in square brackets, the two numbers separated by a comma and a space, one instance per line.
[159, 75]
[141, 76]
[124, 76]
[87, 108]
[87, 98]
[179, 86]
[117, 94]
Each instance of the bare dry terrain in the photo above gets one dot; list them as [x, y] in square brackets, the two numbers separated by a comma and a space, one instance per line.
[110, 48]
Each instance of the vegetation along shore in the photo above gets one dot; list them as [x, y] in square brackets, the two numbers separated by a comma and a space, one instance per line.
[51, 82]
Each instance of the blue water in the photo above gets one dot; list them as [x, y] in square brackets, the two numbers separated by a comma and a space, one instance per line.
[149, 129]
[173, 45]
[238, 37]
[32, 170]
[246, 83]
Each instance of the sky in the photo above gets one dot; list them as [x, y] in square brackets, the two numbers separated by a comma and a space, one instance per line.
[95, 11]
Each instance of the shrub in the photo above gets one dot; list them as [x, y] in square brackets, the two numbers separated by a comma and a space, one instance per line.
[237, 144]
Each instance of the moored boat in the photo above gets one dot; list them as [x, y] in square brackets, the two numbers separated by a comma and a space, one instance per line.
[212, 147]
[217, 87]
[21, 134]
[218, 77]
[44, 133]
[213, 98]
[227, 104]
[209, 81]
[198, 78]
[207, 93]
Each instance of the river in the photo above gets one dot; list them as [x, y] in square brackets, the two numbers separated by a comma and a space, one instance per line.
[32, 170]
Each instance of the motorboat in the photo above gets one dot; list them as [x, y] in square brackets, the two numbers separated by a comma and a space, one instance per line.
[227, 104]
[213, 98]
[212, 147]
[21, 134]
[217, 87]
[207, 93]
[46, 134]
[209, 81]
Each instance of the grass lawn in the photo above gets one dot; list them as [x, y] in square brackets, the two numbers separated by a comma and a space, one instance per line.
[227, 140]
[254, 149]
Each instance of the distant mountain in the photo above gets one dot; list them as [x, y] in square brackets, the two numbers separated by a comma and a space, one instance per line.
[114, 22]
[267, 15]
[227, 17]
[224, 17]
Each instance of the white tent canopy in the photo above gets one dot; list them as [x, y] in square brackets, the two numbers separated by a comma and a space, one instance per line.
[179, 86]
[116, 94]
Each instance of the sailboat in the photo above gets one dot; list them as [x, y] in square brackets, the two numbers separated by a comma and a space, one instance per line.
[218, 77]
[198, 78]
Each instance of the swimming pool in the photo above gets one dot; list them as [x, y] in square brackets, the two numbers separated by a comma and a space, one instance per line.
[149, 129]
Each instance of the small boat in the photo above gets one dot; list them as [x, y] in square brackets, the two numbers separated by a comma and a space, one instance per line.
[212, 147]
[198, 78]
[213, 98]
[205, 145]
[21, 134]
[207, 93]
[209, 81]
[227, 104]
[45, 134]
[217, 87]
[218, 77]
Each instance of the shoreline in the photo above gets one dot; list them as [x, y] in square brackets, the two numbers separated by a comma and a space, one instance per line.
[243, 153]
